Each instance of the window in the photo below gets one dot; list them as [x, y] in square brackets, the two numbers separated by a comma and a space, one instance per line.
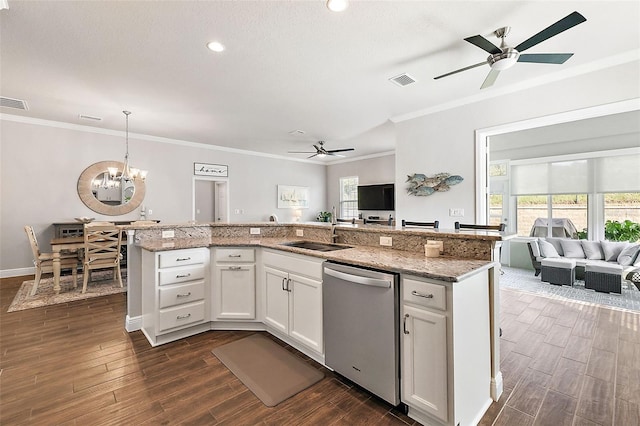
[349, 197]
[568, 214]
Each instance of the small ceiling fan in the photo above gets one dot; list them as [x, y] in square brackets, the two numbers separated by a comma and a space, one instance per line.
[322, 152]
[504, 57]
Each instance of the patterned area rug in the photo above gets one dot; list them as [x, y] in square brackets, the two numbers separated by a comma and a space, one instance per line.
[101, 284]
[524, 279]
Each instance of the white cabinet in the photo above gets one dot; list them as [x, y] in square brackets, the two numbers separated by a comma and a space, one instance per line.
[234, 284]
[293, 297]
[174, 294]
[445, 349]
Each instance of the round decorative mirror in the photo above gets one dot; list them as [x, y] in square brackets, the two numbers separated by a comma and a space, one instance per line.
[102, 189]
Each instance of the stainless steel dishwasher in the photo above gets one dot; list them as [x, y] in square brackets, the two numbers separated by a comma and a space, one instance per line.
[360, 319]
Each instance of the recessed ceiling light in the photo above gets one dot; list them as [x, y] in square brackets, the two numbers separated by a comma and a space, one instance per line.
[215, 46]
[337, 5]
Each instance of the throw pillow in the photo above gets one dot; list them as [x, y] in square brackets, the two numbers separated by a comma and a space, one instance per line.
[557, 244]
[592, 249]
[547, 249]
[572, 249]
[628, 255]
[612, 249]
[535, 250]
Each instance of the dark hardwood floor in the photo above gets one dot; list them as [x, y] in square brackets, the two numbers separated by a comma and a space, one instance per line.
[74, 364]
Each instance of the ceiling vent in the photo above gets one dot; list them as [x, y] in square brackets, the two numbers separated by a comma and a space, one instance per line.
[13, 103]
[402, 80]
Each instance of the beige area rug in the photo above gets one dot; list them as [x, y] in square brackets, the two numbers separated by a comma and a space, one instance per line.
[101, 284]
[270, 371]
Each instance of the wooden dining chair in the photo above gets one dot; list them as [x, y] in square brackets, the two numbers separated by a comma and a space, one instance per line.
[102, 242]
[500, 227]
[435, 224]
[44, 261]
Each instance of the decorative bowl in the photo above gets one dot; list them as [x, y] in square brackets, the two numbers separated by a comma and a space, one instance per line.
[85, 219]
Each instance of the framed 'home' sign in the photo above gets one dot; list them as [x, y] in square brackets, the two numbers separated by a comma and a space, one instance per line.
[203, 169]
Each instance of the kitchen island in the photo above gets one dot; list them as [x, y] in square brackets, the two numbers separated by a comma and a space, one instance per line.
[464, 280]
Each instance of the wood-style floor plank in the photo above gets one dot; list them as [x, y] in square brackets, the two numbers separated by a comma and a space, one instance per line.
[563, 363]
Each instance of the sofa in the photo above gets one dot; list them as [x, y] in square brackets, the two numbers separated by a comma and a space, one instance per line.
[602, 264]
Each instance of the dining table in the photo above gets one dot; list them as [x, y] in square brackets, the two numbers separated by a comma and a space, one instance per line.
[57, 246]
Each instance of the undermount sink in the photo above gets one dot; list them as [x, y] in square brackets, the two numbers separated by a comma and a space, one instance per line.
[313, 245]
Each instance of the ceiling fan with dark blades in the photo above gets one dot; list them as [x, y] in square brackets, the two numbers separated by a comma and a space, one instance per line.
[322, 152]
[503, 57]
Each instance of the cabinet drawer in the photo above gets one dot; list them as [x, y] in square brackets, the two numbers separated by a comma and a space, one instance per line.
[181, 257]
[180, 316]
[424, 294]
[235, 255]
[180, 294]
[180, 275]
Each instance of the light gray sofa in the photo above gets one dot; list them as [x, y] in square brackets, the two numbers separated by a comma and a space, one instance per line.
[601, 256]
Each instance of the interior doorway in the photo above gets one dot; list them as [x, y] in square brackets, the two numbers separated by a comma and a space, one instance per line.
[210, 199]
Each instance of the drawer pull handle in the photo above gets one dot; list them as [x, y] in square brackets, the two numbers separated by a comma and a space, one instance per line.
[283, 281]
[235, 268]
[183, 295]
[182, 259]
[183, 316]
[404, 324]
[426, 296]
[183, 275]
[235, 255]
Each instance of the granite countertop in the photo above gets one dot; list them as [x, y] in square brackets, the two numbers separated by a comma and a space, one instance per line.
[440, 268]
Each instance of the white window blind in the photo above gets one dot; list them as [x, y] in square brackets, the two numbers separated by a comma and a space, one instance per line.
[602, 174]
[617, 174]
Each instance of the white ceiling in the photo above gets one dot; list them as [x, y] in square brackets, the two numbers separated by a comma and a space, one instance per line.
[288, 64]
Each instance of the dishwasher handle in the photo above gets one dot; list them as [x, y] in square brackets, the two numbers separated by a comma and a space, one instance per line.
[358, 279]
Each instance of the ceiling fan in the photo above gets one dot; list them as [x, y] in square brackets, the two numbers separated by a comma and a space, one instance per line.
[504, 57]
[322, 152]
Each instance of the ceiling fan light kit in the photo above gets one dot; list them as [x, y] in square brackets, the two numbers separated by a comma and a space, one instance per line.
[504, 57]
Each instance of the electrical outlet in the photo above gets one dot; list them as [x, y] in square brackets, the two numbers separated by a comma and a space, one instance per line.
[299, 233]
[149, 212]
[254, 231]
[168, 234]
[236, 211]
[456, 212]
[438, 244]
[385, 241]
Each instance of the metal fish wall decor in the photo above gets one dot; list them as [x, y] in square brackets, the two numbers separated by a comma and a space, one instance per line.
[422, 185]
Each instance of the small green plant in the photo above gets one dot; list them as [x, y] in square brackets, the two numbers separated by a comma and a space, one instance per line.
[324, 217]
[582, 235]
[622, 231]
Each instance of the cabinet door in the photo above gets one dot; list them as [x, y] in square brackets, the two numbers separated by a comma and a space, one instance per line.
[306, 311]
[235, 292]
[424, 361]
[276, 299]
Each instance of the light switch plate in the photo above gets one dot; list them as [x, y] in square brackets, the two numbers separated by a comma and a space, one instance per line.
[456, 212]
[299, 233]
[385, 241]
[168, 234]
[254, 231]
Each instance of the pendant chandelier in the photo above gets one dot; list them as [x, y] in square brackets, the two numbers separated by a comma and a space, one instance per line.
[128, 173]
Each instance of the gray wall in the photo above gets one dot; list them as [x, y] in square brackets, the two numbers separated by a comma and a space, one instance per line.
[369, 171]
[445, 141]
[40, 163]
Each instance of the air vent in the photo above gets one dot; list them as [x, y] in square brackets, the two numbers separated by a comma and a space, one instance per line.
[89, 117]
[402, 80]
[13, 103]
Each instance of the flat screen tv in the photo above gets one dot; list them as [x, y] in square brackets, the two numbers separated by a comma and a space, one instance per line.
[376, 197]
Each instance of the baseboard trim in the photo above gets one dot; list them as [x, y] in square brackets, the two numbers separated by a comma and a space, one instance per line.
[18, 272]
[496, 386]
[133, 323]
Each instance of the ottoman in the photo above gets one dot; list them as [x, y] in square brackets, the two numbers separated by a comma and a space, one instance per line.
[558, 271]
[603, 278]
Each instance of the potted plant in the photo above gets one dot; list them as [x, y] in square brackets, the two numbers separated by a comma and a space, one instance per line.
[324, 217]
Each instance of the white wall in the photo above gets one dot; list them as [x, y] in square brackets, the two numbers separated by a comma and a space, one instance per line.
[445, 141]
[40, 166]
